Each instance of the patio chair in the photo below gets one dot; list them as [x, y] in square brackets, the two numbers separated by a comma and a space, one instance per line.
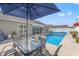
[44, 47]
[43, 51]
[9, 52]
[13, 50]
[36, 38]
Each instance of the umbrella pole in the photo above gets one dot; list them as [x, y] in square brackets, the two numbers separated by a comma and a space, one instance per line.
[27, 28]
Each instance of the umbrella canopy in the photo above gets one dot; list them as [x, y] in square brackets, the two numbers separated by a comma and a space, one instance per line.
[29, 10]
[76, 24]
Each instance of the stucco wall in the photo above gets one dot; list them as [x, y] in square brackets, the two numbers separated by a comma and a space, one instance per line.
[62, 29]
[9, 26]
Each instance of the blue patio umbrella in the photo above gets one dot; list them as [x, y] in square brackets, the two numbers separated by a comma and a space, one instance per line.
[29, 11]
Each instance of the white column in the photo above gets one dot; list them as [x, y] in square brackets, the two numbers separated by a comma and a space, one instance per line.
[77, 29]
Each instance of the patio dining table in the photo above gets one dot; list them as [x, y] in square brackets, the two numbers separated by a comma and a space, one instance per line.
[32, 46]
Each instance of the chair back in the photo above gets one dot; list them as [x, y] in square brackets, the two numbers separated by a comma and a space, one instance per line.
[36, 38]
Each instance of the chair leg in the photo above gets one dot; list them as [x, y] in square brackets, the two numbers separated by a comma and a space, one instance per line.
[45, 52]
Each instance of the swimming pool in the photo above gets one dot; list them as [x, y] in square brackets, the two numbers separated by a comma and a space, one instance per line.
[55, 38]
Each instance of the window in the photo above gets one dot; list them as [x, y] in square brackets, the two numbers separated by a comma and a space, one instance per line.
[22, 28]
[36, 30]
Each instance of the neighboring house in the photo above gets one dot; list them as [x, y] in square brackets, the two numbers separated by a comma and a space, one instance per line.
[61, 28]
[9, 24]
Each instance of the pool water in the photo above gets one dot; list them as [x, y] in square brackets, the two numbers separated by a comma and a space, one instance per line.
[55, 38]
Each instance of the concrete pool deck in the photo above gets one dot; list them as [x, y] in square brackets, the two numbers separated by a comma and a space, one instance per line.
[69, 47]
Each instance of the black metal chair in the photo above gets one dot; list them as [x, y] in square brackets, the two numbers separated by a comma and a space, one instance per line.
[43, 51]
[56, 52]
[9, 52]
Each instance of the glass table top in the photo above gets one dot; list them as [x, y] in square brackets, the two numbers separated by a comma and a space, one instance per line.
[21, 44]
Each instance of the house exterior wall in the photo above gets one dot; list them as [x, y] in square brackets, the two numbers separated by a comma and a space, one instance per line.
[9, 26]
[61, 29]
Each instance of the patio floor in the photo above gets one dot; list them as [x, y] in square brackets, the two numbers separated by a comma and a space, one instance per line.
[69, 47]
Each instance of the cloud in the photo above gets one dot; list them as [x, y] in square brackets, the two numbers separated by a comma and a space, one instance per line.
[76, 3]
[61, 14]
[77, 17]
[69, 13]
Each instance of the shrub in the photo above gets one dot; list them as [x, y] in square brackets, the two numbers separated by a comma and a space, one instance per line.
[77, 40]
[74, 34]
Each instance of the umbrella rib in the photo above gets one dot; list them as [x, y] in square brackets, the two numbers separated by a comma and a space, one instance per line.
[35, 11]
[32, 6]
[12, 9]
[19, 9]
[22, 10]
[30, 14]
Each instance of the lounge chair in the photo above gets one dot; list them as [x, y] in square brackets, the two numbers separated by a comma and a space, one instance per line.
[56, 52]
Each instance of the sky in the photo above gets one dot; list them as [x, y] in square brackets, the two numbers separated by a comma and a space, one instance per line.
[68, 15]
